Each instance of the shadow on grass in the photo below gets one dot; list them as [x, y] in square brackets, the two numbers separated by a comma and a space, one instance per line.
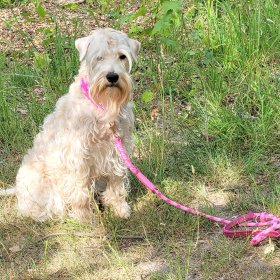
[171, 233]
[34, 250]
[182, 241]
[23, 255]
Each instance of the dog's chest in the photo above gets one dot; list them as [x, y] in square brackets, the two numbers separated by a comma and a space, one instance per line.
[102, 155]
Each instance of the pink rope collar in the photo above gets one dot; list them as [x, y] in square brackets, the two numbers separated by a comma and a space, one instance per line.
[251, 224]
[85, 90]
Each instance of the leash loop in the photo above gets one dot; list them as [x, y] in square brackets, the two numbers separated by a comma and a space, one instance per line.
[257, 220]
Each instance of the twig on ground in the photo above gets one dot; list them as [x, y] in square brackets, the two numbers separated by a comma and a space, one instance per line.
[6, 250]
[84, 234]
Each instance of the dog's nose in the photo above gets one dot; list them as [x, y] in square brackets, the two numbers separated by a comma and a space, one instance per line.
[112, 77]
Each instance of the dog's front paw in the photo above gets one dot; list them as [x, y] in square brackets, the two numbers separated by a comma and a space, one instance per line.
[123, 210]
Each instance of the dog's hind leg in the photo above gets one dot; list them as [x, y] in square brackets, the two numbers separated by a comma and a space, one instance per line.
[33, 194]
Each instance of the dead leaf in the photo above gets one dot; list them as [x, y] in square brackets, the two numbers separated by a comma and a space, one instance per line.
[22, 112]
[193, 170]
[269, 248]
[154, 114]
[15, 249]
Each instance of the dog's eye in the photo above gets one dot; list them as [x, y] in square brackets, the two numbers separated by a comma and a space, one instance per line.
[99, 58]
[122, 57]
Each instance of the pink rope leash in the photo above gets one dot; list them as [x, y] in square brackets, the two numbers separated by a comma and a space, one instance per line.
[247, 220]
[252, 224]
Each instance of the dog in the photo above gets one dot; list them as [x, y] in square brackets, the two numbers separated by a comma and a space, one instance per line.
[73, 156]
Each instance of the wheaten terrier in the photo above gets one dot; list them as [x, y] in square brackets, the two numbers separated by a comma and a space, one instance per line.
[74, 155]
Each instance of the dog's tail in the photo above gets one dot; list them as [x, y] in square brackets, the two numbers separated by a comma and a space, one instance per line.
[6, 192]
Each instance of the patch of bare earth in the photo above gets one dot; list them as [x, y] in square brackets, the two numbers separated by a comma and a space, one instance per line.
[22, 28]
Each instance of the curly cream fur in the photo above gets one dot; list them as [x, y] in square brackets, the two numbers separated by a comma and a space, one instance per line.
[74, 149]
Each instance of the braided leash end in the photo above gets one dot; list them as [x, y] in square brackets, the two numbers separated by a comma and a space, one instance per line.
[256, 221]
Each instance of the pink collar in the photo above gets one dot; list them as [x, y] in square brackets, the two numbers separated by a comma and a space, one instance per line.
[85, 89]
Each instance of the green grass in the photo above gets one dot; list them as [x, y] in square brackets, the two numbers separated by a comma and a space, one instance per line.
[214, 77]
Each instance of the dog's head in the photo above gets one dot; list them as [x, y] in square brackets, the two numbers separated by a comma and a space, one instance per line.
[107, 55]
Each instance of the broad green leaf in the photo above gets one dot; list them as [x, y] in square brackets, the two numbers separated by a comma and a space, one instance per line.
[135, 28]
[128, 18]
[41, 60]
[169, 42]
[158, 27]
[26, 14]
[191, 52]
[208, 56]
[171, 5]
[147, 96]
[148, 31]
[71, 6]
[41, 12]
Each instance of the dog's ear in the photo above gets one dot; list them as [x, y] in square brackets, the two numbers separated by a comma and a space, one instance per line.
[82, 45]
[134, 47]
